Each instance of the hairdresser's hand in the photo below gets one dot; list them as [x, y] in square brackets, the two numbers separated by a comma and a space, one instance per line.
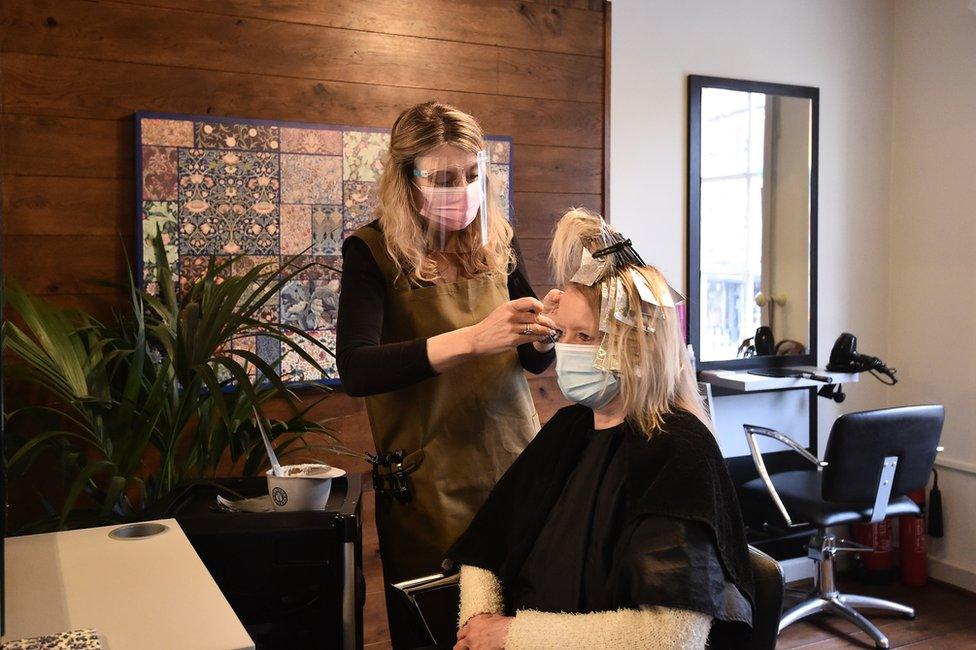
[511, 324]
[484, 632]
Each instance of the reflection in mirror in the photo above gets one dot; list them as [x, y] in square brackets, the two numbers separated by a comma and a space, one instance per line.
[754, 220]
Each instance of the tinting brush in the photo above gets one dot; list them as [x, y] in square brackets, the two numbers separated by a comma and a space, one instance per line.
[275, 465]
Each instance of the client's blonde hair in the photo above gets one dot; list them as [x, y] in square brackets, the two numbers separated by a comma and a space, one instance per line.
[656, 377]
[417, 131]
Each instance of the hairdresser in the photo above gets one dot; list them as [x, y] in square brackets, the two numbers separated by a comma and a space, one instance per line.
[436, 324]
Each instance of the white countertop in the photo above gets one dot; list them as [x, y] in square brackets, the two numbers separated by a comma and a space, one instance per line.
[743, 381]
[137, 594]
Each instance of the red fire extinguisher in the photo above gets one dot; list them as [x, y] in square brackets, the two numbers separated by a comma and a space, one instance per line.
[879, 563]
[911, 544]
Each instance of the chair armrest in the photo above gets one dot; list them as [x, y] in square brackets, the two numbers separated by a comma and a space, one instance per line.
[754, 430]
[751, 432]
[410, 588]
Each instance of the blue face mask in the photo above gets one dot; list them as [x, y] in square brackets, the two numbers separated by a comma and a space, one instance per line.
[579, 380]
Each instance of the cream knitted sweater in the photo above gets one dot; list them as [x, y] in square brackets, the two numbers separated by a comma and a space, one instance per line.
[650, 627]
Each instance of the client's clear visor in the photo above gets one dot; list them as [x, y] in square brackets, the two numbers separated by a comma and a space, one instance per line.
[454, 197]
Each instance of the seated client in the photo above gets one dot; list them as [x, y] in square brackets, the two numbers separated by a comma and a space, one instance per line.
[618, 526]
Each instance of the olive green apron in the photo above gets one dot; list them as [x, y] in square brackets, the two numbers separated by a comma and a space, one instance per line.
[459, 430]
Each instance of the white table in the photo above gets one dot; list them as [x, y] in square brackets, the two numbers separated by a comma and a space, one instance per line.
[140, 594]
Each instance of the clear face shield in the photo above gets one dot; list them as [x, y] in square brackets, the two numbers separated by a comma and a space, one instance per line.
[454, 198]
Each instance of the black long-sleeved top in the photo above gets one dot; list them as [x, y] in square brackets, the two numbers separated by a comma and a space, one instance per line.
[367, 366]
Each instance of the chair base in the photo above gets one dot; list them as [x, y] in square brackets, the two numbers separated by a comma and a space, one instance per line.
[826, 599]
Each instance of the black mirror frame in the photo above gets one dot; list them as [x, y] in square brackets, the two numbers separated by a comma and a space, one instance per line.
[695, 85]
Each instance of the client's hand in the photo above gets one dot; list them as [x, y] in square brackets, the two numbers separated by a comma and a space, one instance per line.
[549, 305]
[551, 302]
[484, 632]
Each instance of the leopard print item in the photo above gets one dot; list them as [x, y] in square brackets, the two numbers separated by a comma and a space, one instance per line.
[74, 640]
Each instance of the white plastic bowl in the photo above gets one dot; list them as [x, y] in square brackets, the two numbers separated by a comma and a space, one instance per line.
[304, 487]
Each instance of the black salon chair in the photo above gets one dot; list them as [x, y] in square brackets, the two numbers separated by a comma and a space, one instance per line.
[768, 578]
[873, 459]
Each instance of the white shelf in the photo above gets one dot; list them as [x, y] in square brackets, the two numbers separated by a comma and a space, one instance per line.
[744, 382]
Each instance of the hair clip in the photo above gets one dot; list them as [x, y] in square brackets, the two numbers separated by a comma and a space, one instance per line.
[622, 250]
[612, 248]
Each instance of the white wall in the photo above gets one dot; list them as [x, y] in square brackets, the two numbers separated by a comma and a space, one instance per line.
[932, 263]
[841, 46]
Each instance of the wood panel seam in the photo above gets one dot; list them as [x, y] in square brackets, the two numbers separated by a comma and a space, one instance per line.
[365, 31]
[299, 78]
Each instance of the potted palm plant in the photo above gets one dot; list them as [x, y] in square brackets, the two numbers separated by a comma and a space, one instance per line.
[161, 395]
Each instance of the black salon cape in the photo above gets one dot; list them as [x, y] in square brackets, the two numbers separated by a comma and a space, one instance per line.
[677, 540]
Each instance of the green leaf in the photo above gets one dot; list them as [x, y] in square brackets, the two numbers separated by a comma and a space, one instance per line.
[40, 440]
[164, 276]
[213, 384]
[84, 478]
[115, 486]
[268, 373]
[59, 413]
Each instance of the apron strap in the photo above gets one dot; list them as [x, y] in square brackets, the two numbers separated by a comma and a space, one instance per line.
[373, 237]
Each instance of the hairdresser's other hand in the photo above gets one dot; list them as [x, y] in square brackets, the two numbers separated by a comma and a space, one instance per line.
[509, 325]
[484, 632]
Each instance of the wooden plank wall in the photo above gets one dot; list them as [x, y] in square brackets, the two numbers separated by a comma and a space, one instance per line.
[73, 72]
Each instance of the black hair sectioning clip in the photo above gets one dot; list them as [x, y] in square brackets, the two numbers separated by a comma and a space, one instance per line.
[622, 251]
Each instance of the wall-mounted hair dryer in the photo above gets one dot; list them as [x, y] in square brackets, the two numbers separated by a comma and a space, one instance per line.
[844, 357]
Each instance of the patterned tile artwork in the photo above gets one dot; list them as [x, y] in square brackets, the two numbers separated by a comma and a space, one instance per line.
[265, 191]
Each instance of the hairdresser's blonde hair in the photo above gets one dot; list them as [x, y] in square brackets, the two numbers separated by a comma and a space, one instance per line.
[656, 377]
[417, 131]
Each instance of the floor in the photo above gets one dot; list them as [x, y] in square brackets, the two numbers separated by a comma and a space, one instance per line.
[376, 633]
[946, 618]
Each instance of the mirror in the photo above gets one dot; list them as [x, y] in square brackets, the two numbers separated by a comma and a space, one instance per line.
[752, 215]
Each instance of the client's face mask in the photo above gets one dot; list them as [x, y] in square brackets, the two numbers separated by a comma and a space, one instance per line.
[451, 208]
[579, 380]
